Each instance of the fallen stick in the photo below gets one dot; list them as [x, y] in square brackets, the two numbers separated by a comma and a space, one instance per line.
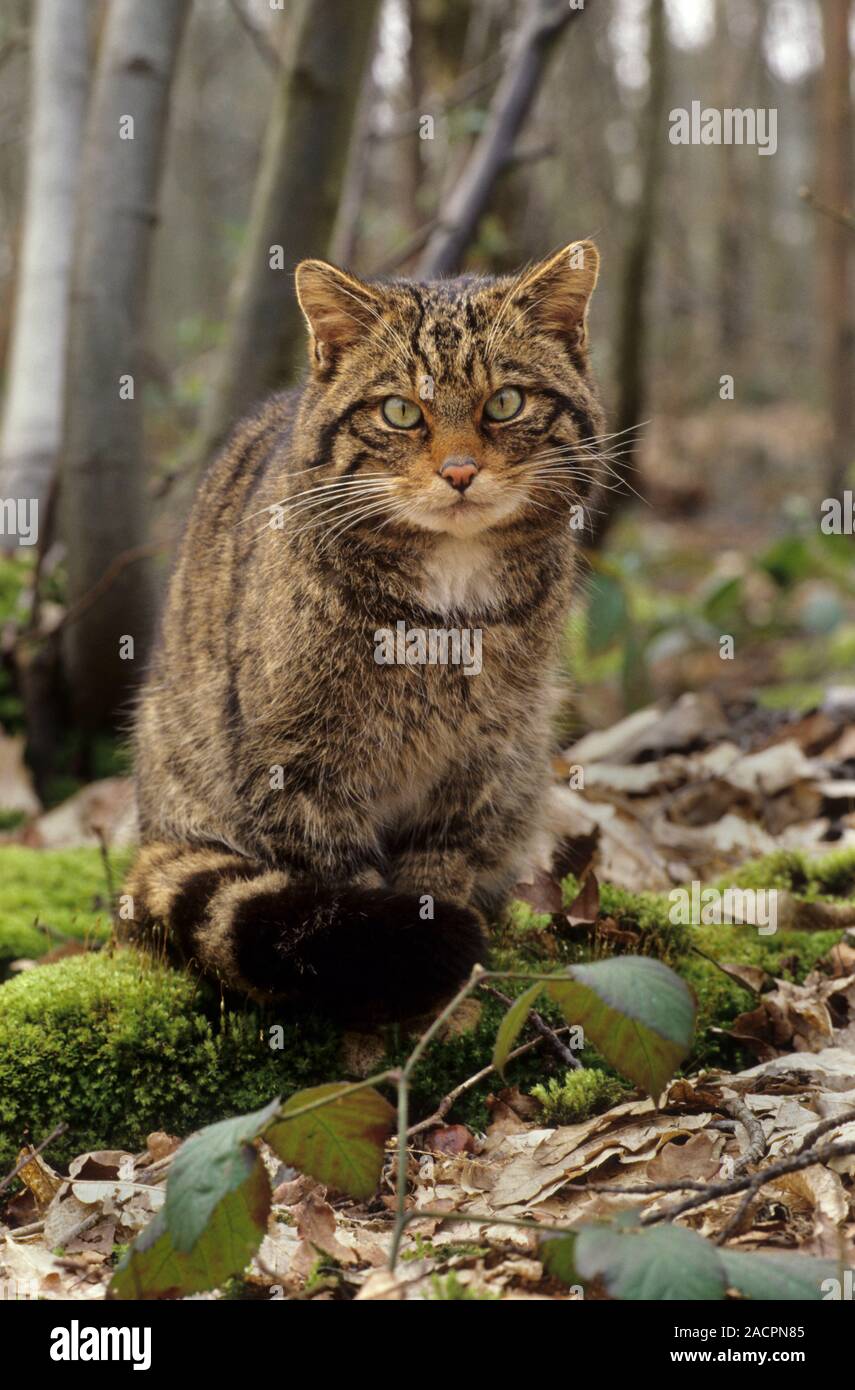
[447, 1101]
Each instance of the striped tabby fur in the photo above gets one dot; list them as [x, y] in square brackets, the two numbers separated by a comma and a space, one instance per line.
[301, 804]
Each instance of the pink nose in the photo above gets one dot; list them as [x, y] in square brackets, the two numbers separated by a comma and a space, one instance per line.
[458, 472]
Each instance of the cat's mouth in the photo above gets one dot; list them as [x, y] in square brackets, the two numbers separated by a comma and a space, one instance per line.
[463, 514]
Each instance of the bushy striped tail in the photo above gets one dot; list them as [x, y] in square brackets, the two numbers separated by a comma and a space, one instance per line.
[362, 955]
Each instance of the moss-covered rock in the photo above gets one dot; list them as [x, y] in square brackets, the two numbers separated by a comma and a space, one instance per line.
[117, 1045]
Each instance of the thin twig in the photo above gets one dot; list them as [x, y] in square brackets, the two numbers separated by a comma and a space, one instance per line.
[740, 1112]
[542, 1027]
[106, 581]
[81, 1226]
[108, 871]
[403, 1080]
[754, 1181]
[735, 1223]
[832, 1122]
[33, 1229]
[841, 215]
[540, 27]
[448, 1100]
[734, 979]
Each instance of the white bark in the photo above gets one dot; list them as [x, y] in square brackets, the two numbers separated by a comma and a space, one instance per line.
[103, 483]
[32, 418]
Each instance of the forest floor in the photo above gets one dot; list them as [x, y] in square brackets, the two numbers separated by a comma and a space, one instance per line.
[673, 795]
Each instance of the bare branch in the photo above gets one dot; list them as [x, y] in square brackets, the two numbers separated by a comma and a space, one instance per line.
[262, 44]
[543, 23]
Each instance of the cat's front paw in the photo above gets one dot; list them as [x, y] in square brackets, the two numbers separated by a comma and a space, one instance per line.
[439, 875]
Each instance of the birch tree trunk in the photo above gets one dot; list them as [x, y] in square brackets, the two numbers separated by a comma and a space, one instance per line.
[294, 206]
[32, 418]
[103, 493]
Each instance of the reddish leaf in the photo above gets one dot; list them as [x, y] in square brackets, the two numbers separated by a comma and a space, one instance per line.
[450, 1139]
[542, 892]
[585, 907]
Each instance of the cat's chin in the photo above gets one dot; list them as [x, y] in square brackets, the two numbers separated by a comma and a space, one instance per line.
[464, 519]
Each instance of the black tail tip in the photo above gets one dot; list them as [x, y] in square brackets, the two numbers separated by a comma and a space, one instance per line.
[365, 957]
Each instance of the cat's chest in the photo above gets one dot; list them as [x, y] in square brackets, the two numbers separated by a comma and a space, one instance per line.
[459, 575]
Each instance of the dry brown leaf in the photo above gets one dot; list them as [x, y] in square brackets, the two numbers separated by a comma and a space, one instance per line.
[753, 976]
[541, 892]
[160, 1145]
[585, 907]
[450, 1139]
[39, 1178]
[698, 1159]
[817, 1192]
[316, 1227]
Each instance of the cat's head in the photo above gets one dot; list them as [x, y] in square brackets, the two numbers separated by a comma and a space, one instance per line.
[455, 406]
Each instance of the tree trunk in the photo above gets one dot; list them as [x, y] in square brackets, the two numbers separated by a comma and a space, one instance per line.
[543, 22]
[835, 239]
[294, 206]
[103, 485]
[632, 353]
[32, 420]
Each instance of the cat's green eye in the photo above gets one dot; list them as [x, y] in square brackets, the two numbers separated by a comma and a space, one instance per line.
[403, 414]
[504, 404]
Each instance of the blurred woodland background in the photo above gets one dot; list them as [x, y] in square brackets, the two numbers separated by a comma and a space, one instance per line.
[144, 306]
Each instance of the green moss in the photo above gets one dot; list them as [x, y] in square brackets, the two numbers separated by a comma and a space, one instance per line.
[117, 1046]
[449, 1288]
[18, 942]
[828, 875]
[647, 913]
[578, 1094]
[16, 572]
[47, 896]
[422, 1249]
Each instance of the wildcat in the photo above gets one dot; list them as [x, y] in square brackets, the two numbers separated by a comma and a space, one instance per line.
[317, 826]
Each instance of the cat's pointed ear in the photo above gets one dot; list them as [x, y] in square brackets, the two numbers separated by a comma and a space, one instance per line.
[556, 292]
[337, 307]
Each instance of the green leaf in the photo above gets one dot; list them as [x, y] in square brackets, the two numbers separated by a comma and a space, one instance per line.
[340, 1144]
[664, 1263]
[636, 1010]
[558, 1257]
[512, 1025]
[634, 675]
[608, 612]
[784, 1278]
[787, 560]
[669, 1262]
[206, 1169]
[155, 1268]
[725, 601]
